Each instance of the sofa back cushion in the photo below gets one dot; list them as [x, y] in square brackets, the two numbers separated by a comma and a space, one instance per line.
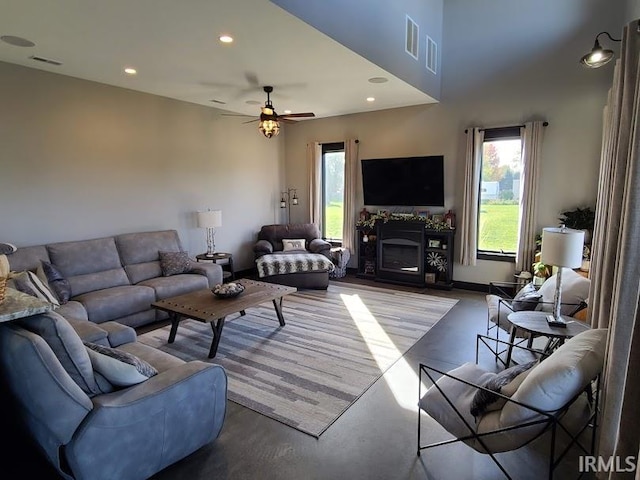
[275, 233]
[140, 252]
[89, 265]
[28, 258]
[67, 347]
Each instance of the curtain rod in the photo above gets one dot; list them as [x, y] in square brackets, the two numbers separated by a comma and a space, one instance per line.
[544, 124]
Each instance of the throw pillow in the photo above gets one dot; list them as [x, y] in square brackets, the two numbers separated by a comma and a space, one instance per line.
[29, 283]
[526, 299]
[7, 248]
[174, 263]
[505, 383]
[58, 284]
[289, 244]
[121, 368]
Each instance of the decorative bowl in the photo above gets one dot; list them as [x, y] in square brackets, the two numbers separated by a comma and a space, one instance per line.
[228, 290]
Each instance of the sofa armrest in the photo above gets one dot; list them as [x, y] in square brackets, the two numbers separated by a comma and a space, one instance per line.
[212, 271]
[89, 331]
[317, 245]
[262, 247]
[118, 333]
[152, 424]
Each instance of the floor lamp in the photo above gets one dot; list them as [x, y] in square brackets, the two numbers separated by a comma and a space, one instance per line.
[562, 248]
[211, 219]
[287, 199]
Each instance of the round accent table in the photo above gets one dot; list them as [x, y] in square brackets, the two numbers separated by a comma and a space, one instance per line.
[227, 263]
[535, 324]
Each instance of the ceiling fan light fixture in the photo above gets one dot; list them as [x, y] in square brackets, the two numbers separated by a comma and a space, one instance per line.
[269, 127]
[598, 56]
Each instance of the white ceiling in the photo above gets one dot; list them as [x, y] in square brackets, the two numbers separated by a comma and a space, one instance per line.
[174, 47]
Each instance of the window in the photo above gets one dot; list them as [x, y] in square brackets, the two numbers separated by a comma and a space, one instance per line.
[332, 191]
[499, 209]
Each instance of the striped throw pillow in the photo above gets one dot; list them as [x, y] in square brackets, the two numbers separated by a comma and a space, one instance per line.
[29, 283]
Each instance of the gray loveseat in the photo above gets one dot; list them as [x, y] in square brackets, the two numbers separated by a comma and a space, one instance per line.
[117, 278]
[90, 429]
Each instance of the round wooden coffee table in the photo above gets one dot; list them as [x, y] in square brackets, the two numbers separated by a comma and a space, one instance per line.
[535, 324]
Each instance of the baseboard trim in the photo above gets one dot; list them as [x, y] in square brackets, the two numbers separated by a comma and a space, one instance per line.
[474, 287]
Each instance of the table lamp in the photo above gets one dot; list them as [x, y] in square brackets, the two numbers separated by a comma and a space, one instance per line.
[561, 247]
[211, 219]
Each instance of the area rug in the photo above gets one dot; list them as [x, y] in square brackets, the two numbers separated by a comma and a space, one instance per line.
[336, 343]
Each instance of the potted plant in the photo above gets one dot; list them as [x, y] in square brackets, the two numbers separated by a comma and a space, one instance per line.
[579, 219]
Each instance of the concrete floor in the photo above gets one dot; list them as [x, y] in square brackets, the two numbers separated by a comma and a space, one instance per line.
[374, 439]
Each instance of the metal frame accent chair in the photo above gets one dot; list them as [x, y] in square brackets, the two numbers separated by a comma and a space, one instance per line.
[505, 298]
[537, 404]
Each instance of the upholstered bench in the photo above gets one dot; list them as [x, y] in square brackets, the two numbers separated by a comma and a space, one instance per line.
[296, 269]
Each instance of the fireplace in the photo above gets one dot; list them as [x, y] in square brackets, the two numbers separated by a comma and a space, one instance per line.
[401, 252]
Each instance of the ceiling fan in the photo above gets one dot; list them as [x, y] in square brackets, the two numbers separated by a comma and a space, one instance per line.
[270, 120]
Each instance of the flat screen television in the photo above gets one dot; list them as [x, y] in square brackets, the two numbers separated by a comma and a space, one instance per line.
[406, 181]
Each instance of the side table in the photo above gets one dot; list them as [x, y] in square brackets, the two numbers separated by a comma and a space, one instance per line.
[535, 323]
[228, 272]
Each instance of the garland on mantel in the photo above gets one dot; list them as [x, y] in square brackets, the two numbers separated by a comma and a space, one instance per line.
[428, 222]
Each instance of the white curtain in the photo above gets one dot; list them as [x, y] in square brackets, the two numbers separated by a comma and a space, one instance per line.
[469, 220]
[531, 135]
[615, 272]
[314, 163]
[350, 178]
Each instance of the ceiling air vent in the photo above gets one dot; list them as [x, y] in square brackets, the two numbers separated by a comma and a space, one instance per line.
[45, 60]
[411, 46]
[432, 55]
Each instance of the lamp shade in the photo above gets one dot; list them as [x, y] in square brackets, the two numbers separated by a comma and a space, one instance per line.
[210, 219]
[562, 247]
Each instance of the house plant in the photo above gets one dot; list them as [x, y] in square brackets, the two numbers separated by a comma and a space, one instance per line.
[579, 219]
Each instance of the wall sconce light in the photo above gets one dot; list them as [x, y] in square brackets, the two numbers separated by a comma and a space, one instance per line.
[598, 56]
[211, 219]
[287, 199]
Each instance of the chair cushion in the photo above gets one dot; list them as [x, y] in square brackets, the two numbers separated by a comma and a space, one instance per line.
[460, 394]
[67, 347]
[498, 311]
[574, 291]
[559, 378]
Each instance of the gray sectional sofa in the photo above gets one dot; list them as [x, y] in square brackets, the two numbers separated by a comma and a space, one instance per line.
[117, 278]
[89, 428]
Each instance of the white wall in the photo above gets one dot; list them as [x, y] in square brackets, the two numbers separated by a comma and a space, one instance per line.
[498, 70]
[80, 160]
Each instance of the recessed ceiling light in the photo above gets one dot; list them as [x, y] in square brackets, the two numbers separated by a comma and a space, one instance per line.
[130, 71]
[378, 80]
[17, 41]
[252, 102]
[371, 99]
[287, 112]
[226, 38]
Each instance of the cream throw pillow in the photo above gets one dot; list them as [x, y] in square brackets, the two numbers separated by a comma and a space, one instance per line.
[289, 244]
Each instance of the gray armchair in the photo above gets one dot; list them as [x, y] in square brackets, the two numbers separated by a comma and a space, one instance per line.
[86, 427]
[270, 244]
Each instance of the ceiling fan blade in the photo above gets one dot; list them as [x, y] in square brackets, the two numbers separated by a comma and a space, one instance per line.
[235, 115]
[297, 115]
[251, 121]
[286, 120]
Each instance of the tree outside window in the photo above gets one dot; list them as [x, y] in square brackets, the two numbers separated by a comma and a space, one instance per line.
[333, 191]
